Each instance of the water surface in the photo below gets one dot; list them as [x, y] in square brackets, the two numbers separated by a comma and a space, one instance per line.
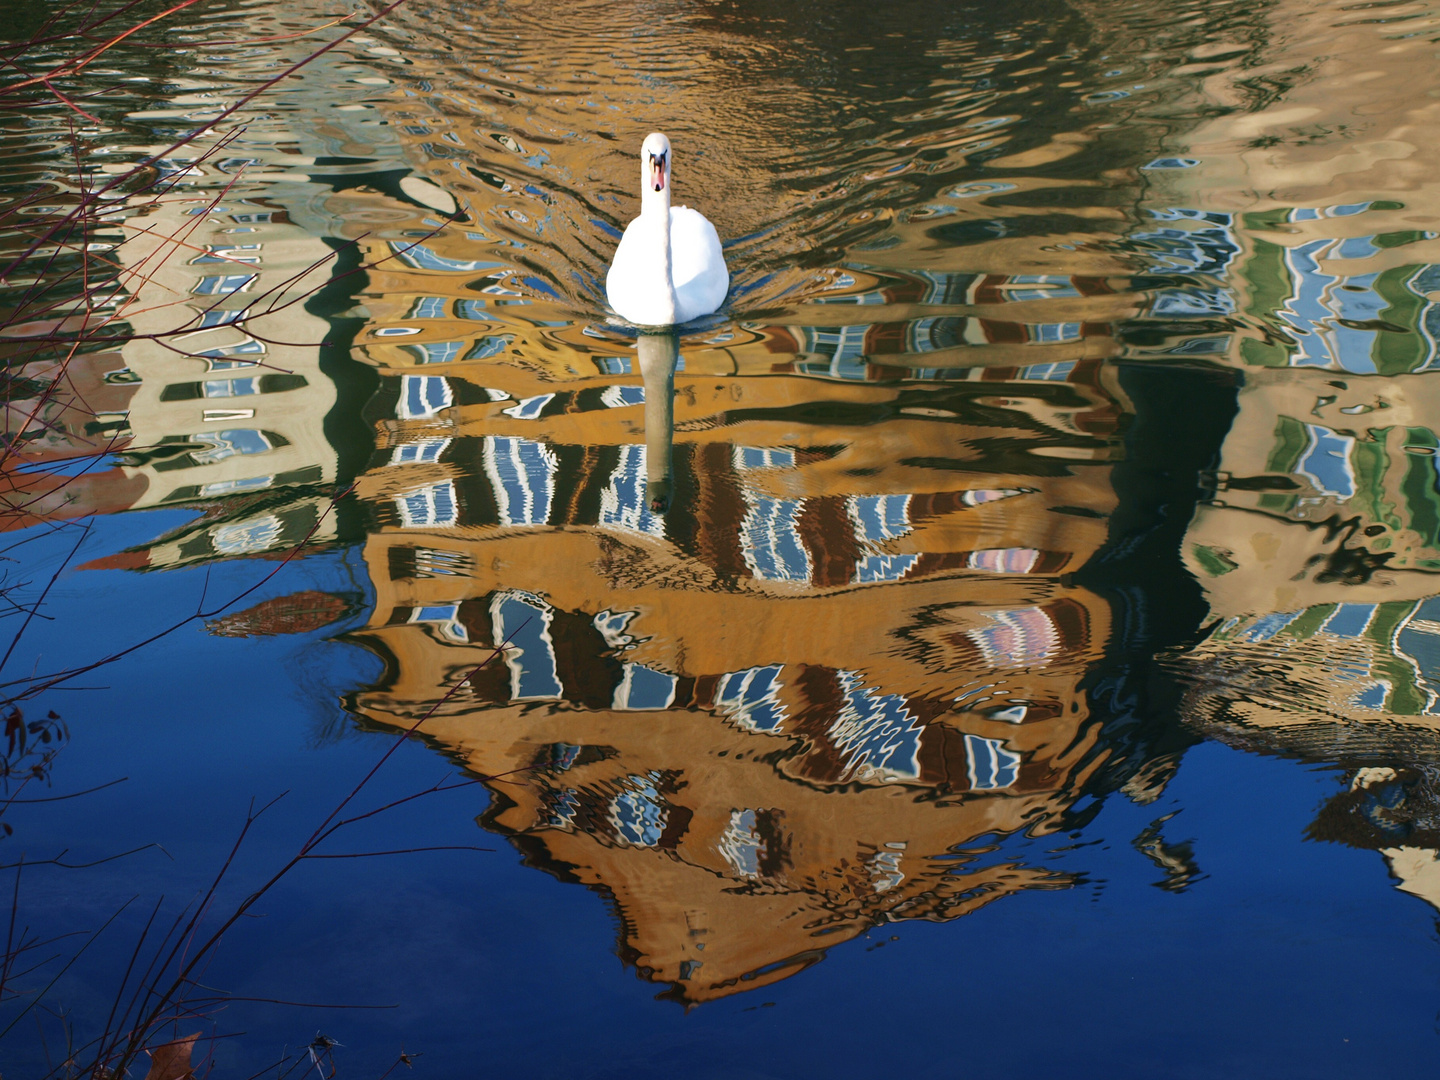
[1034, 671]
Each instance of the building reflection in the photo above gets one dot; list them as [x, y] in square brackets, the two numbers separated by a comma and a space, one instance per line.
[801, 702]
[216, 401]
[1319, 546]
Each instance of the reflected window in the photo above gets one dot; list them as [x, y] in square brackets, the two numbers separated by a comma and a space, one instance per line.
[741, 844]
[1206, 246]
[420, 257]
[936, 332]
[245, 537]
[1191, 302]
[750, 698]
[1056, 372]
[1349, 620]
[470, 309]
[613, 365]
[878, 518]
[422, 396]
[424, 452]
[435, 352]
[1015, 637]
[230, 443]
[1326, 462]
[618, 397]
[223, 388]
[945, 287]
[432, 507]
[639, 812]
[490, 345]
[1334, 315]
[562, 808]
[884, 867]
[427, 307]
[643, 688]
[876, 734]
[230, 487]
[222, 318]
[770, 539]
[748, 458]
[1022, 287]
[445, 618]
[623, 503]
[223, 284]
[530, 408]
[840, 342]
[522, 476]
[834, 369]
[246, 347]
[228, 253]
[522, 629]
[1052, 332]
[1267, 626]
[991, 766]
[1004, 560]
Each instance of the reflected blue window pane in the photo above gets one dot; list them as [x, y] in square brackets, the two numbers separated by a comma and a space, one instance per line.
[422, 396]
[522, 627]
[991, 766]
[770, 539]
[876, 734]
[644, 688]
[623, 502]
[639, 812]
[522, 476]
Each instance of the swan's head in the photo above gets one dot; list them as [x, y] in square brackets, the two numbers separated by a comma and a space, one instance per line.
[655, 162]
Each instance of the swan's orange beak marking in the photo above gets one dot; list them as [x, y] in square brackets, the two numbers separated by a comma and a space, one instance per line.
[657, 172]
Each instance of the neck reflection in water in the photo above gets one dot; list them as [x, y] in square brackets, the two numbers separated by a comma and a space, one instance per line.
[658, 354]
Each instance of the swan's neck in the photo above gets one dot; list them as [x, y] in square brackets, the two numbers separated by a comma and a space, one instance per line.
[655, 215]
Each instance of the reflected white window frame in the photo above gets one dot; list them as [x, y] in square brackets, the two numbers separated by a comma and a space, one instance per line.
[422, 396]
[223, 284]
[521, 623]
[522, 477]
[445, 618]
[420, 452]
[230, 442]
[434, 506]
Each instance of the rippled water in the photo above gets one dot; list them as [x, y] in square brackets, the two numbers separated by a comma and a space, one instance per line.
[1053, 525]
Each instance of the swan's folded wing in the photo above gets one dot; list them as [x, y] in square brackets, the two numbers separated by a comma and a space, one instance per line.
[697, 263]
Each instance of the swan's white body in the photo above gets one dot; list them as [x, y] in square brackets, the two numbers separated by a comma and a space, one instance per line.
[668, 268]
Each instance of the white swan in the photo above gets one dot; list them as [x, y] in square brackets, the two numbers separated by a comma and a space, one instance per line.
[668, 268]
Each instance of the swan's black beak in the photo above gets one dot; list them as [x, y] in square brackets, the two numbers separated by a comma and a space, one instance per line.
[657, 171]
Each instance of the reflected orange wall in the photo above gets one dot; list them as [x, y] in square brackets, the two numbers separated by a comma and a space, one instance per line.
[834, 851]
[903, 719]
